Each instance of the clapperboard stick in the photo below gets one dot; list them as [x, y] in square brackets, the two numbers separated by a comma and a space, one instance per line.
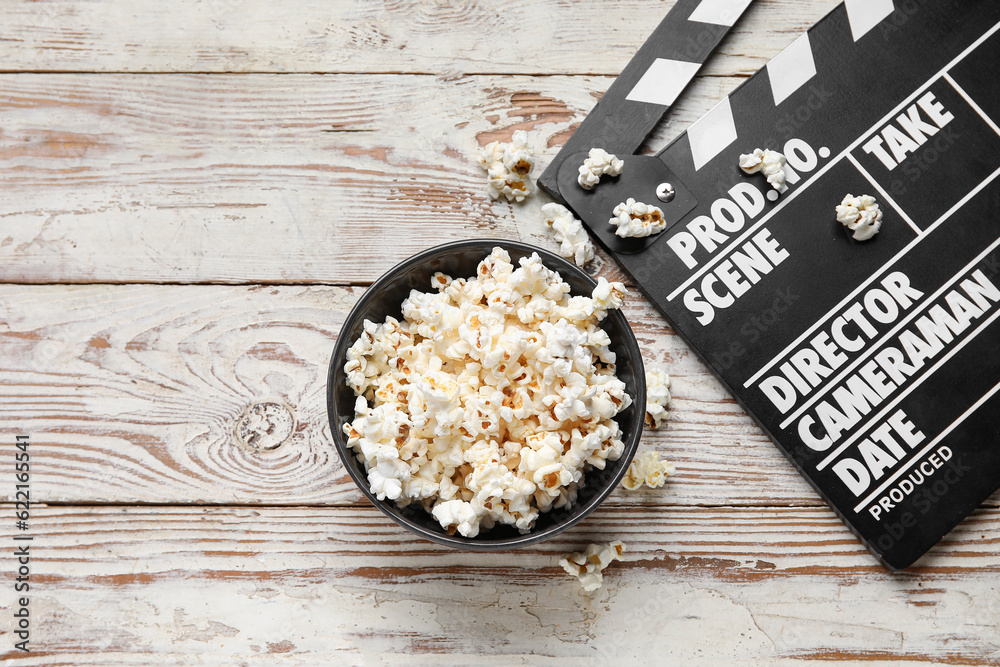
[651, 82]
[873, 366]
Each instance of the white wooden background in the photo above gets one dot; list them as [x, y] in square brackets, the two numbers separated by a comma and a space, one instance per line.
[195, 192]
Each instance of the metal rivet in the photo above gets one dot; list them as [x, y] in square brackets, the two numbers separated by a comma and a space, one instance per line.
[665, 192]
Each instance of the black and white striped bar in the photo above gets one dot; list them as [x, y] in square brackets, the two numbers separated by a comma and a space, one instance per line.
[651, 82]
[787, 73]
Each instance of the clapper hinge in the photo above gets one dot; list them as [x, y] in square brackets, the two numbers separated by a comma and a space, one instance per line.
[645, 179]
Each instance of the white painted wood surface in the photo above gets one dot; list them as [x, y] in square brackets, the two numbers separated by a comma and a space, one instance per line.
[294, 586]
[296, 151]
[396, 36]
[267, 178]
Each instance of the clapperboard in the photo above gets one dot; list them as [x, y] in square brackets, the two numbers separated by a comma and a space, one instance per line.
[873, 365]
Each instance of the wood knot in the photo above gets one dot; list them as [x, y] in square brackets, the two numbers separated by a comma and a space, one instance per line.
[265, 426]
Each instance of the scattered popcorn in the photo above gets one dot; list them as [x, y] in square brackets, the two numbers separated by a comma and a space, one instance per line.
[635, 219]
[588, 565]
[491, 399]
[508, 167]
[573, 239]
[657, 397]
[771, 163]
[861, 215]
[648, 469]
[598, 163]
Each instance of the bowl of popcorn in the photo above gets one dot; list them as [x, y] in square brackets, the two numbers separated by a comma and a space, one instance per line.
[487, 394]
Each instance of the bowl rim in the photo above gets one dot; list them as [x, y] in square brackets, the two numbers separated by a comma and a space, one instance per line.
[636, 423]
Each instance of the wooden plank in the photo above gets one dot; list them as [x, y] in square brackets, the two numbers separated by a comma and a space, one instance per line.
[229, 178]
[132, 393]
[516, 36]
[163, 586]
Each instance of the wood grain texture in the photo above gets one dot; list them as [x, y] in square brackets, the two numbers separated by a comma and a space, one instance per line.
[397, 36]
[297, 151]
[131, 394]
[275, 179]
[343, 586]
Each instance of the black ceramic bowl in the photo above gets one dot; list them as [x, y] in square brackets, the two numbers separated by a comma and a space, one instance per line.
[460, 259]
